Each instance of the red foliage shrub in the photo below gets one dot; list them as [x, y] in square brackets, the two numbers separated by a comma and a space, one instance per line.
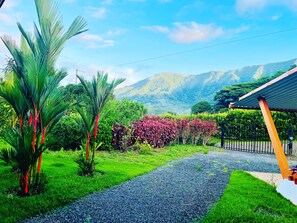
[209, 128]
[201, 129]
[158, 132]
[121, 137]
[183, 129]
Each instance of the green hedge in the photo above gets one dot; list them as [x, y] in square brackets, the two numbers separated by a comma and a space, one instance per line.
[247, 119]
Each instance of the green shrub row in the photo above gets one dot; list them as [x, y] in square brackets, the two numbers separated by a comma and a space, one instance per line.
[68, 132]
[246, 119]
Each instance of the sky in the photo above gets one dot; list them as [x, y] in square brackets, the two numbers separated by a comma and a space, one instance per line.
[136, 39]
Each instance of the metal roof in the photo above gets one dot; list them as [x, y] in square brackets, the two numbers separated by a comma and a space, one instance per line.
[280, 94]
[1, 3]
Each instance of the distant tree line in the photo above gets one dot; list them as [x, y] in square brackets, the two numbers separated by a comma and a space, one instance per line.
[230, 94]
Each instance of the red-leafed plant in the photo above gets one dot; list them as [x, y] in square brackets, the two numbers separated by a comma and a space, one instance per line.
[158, 132]
[122, 137]
[201, 129]
[209, 128]
[195, 130]
[183, 129]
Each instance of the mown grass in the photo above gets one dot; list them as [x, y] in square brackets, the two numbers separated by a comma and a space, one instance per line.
[66, 186]
[247, 199]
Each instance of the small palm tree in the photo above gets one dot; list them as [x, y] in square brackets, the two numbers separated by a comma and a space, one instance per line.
[32, 89]
[99, 91]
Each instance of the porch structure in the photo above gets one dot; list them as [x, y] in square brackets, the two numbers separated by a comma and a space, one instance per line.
[280, 94]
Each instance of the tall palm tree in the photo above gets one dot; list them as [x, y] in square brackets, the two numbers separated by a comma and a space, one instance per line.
[99, 91]
[32, 93]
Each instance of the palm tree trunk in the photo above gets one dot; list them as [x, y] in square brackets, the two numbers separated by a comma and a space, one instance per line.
[39, 164]
[96, 126]
[21, 123]
[88, 145]
[24, 183]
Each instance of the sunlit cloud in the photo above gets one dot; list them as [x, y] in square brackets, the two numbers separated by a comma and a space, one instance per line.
[94, 41]
[116, 32]
[8, 5]
[254, 6]
[190, 32]
[161, 29]
[98, 13]
[107, 2]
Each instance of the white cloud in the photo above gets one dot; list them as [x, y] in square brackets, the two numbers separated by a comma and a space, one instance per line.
[8, 15]
[7, 19]
[252, 6]
[95, 12]
[94, 41]
[132, 75]
[92, 37]
[165, 1]
[107, 2]
[9, 5]
[190, 32]
[115, 32]
[275, 17]
[137, 0]
[247, 6]
[161, 29]
[69, 1]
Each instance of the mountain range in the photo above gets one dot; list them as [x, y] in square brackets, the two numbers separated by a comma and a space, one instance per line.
[177, 93]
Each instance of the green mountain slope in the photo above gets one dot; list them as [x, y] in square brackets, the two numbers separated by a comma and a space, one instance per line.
[172, 92]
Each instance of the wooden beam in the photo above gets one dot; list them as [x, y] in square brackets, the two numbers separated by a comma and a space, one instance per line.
[276, 143]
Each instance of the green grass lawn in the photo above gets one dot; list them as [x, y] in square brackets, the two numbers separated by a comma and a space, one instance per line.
[65, 185]
[247, 199]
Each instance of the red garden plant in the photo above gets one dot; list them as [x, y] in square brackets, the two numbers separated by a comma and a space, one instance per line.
[30, 88]
[122, 137]
[183, 129]
[195, 130]
[201, 129]
[158, 132]
[209, 128]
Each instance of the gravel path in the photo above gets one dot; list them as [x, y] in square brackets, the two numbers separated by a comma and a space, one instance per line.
[180, 191]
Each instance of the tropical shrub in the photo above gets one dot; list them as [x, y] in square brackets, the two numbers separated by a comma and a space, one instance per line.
[32, 90]
[144, 148]
[183, 129]
[122, 137]
[196, 126]
[66, 134]
[158, 132]
[208, 130]
[99, 92]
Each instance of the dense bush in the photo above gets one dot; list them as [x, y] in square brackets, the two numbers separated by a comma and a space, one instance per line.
[208, 129]
[158, 132]
[66, 134]
[183, 130]
[122, 137]
[245, 119]
[195, 130]
[121, 111]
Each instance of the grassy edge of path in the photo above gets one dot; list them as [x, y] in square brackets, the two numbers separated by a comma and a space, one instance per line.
[65, 185]
[248, 199]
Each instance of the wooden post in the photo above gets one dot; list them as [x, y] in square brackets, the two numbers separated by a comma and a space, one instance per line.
[276, 143]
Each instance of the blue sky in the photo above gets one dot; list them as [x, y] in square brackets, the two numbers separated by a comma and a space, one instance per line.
[122, 32]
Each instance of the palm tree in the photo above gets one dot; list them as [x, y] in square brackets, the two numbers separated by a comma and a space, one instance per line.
[99, 91]
[32, 92]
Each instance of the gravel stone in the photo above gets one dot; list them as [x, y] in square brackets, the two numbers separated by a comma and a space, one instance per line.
[181, 191]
